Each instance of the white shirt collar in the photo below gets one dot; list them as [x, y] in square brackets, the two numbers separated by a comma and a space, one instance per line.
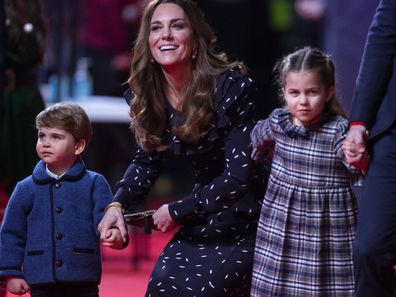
[53, 175]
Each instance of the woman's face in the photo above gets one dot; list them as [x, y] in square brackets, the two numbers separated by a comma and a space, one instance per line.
[171, 37]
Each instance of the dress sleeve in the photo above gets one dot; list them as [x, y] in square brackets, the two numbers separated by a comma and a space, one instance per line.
[236, 115]
[138, 178]
[262, 139]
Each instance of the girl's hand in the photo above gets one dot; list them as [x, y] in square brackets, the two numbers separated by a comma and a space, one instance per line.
[162, 219]
[358, 158]
[354, 146]
[17, 286]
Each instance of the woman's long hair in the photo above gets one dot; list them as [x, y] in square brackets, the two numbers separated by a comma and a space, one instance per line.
[148, 107]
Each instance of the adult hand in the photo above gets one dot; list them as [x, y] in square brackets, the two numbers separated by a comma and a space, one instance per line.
[113, 217]
[17, 286]
[355, 144]
[162, 219]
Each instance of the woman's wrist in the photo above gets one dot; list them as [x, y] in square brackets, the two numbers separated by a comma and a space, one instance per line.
[115, 204]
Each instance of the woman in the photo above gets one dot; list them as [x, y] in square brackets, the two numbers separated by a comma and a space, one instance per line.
[190, 100]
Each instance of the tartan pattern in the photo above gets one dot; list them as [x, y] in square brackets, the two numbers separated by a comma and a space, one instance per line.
[307, 223]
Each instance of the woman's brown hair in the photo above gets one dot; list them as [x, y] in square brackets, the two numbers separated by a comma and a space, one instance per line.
[148, 107]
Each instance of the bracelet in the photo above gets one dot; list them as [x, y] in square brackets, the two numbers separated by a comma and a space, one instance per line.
[115, 204]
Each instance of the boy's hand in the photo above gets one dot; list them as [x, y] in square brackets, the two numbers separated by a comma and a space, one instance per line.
[114, 239]
[17, 286]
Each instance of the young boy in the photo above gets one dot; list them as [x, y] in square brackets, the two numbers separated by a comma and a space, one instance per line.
[49, 242]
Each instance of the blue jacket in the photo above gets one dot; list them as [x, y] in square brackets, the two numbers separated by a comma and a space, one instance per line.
[49, 232]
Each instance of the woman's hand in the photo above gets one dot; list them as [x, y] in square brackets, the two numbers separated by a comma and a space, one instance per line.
[162, 219]
[113, 218]
[17, 285]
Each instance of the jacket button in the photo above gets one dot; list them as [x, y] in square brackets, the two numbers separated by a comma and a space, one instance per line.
[58, 209]
[59, 263]
[57, 185]
[59, 236]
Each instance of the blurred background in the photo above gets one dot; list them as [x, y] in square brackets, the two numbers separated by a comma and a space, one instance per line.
[86, 58]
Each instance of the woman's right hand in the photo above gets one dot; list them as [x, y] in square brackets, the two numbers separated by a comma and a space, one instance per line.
[113, 217]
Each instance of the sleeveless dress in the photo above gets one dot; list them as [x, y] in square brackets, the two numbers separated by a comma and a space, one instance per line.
[307, 223]
[212, 253]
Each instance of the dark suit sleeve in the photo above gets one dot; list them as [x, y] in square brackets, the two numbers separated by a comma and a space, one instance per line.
[377, 64]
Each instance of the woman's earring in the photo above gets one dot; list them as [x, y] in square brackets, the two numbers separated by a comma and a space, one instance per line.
[152, 61]
[194, 54]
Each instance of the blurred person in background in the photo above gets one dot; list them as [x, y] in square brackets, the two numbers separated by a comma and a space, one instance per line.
[21, 99]
[107, 29]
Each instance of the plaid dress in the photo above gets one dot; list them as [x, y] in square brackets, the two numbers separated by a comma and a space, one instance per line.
[308, 216]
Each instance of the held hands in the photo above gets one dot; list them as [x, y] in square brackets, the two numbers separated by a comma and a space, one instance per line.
[114, 239]
[162, 219]
[354, 147]
[112, 228]
[17, 286]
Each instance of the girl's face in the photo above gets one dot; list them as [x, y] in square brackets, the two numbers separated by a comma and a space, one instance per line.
[171, 37]
[306, 96]
[58, 149]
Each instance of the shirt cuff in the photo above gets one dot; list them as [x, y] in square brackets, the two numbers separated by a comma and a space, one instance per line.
[358, 123]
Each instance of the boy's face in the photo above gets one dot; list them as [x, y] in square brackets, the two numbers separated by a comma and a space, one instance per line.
[58, 148]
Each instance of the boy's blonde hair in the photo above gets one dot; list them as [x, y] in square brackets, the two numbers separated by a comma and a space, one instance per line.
[68, 116]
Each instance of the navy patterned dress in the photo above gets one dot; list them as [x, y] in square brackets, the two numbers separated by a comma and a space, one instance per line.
[308, 218]
[212, 253]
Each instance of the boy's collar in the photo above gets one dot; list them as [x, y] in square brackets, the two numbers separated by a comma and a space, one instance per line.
[41, 176]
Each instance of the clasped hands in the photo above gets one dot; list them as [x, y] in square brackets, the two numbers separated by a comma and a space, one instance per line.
[354, 147]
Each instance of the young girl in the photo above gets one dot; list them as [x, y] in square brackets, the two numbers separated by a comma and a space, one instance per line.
[307, 222]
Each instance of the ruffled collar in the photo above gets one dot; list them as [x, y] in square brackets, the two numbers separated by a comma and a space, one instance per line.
[293, 130]
[225, 96]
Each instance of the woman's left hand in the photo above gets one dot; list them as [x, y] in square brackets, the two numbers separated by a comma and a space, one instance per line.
[162, 219]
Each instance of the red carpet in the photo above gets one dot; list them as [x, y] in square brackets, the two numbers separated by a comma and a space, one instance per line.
[126, 272]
